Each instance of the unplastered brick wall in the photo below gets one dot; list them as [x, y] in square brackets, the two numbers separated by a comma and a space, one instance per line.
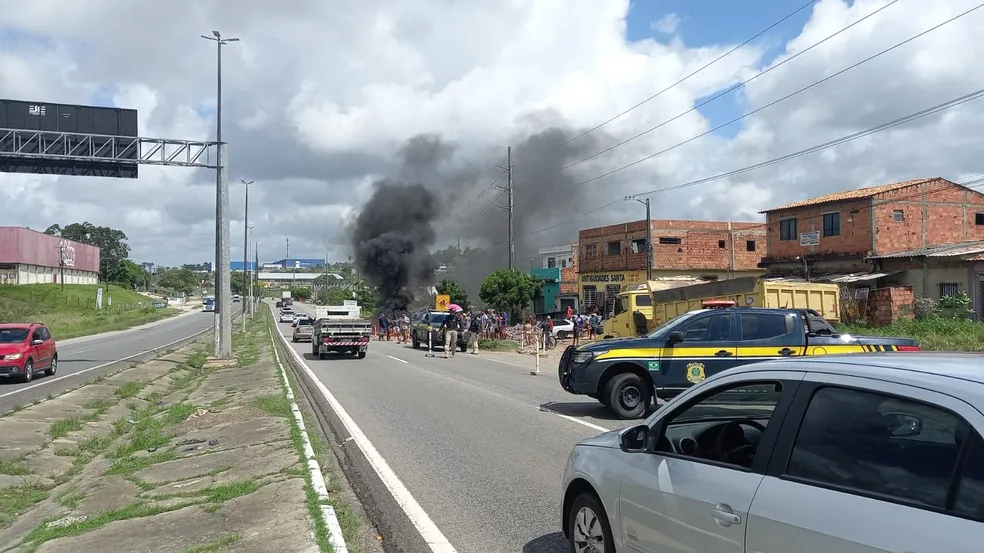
[890, 304]
[932, 214]
[677, 245]
[854, 232]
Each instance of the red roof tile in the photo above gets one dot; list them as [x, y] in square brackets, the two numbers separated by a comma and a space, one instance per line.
[856, 194]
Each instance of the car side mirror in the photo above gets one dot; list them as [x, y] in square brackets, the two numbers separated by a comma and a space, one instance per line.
[903, 425]
[675, 337]
[37, 342]
[634, 439]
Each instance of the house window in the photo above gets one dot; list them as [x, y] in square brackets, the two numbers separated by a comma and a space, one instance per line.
[979, 218]
[720, 243]
[787, 229]
[898, 216]
[590, 297]
[614, 248]
[590, 250]
[860, 293]
[948, 289]
[638, 245]
[831, 224]
[551, 262]
[750, 245]
[670, 240]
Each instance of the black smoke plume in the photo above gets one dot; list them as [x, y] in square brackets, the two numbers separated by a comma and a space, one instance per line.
[392, 238]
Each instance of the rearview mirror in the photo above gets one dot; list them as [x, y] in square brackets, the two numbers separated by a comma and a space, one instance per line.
[634, 439]
[674, 337]
[37, 342]
[903, 425]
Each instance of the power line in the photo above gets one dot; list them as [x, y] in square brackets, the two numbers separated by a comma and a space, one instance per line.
[677, 83]
[806, 151]
[480, 194]
[719, 95]
[825, 79]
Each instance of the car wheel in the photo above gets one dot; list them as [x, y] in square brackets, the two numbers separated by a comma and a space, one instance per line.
[53, 368]
[627, 396]
[362, 355]
[28, 371]
[589, 529]
[416, 343]
[561, 334]
[463, 348]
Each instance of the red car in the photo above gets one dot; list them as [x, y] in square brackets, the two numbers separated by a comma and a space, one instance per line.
[26, 349]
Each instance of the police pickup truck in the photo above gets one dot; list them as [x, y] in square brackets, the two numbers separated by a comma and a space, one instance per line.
[625, 374]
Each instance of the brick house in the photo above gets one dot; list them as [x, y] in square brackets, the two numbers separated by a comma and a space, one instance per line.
[922, 233]
[615, 256]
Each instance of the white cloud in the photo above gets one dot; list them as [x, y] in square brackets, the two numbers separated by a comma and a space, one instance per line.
[667, 25]
[321, 95]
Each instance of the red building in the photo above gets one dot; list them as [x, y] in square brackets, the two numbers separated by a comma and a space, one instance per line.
[31, 257]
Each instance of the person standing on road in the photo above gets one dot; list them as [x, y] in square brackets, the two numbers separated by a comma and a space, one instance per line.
[383, 326]
[474, 331]
[450, 326]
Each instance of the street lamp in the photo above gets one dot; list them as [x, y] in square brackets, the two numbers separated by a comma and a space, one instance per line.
[649, 237]
[246, 226]
[247, 233]
[223, 290]
[253, 282]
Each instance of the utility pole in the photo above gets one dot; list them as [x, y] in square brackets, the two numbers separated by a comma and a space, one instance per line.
[649, 236]
[509, 203]
[223, 288]
[247, 233]
[247, 230]
[286, 262]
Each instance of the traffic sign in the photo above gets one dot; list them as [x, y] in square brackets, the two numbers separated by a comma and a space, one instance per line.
[442, 302]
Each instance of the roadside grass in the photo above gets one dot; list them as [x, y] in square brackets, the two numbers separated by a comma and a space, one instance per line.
[17, 499]
[931, 333]
[129, 390]
[498, 345]
[72, 312]
[217, 545]
[12, 467]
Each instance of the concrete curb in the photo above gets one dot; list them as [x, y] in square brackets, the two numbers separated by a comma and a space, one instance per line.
[314, 467]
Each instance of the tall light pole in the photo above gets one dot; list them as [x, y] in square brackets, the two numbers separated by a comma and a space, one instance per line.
[247, 234]
[223, 288]
[246, 226]
[254, 275]
[649, 236]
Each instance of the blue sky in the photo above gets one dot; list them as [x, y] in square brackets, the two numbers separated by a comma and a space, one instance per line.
[710, 22]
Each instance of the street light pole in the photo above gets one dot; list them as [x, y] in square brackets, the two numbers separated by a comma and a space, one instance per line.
[649, 236]
[223, 289]
[247, 234]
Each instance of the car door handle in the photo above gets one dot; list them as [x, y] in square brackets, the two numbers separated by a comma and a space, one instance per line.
[725, 515]
[723, 353]
[786, 351]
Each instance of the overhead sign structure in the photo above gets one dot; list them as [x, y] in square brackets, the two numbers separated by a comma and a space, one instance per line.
[442, 302]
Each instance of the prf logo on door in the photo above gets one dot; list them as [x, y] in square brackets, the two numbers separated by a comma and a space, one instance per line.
[37, 109]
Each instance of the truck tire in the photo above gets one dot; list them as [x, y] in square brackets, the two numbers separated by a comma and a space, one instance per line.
[322, 355]
[314, 348]
[627, 396]
[416, 343]
[463, 348]
[362, 355]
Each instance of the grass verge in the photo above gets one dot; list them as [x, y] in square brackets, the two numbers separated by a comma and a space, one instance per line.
[931, 333]
[72, 312]
[498, 345]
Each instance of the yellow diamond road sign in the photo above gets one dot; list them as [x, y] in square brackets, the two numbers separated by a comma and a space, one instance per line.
[442, 302]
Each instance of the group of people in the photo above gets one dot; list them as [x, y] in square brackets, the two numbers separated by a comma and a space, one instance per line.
[391, 325]
[480, 325]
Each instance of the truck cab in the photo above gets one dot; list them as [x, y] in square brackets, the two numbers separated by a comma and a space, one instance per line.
[626, 374]
[632, 316]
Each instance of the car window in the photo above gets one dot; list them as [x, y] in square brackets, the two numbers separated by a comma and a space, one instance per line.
[854, 440]
[45, 334]
[713, 328]
[763, 326]
[36, 335]
[969, 500]
[13, 335]
[743, 401]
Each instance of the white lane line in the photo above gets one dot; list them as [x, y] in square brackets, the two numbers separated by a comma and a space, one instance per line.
[504, 362]
[398, 359]
[435, 539]
[575, 419]
[84, 351]
[50, 380]
[328, 514]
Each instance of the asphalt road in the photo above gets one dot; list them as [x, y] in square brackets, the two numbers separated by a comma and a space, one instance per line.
[477, 441]
[88, 353]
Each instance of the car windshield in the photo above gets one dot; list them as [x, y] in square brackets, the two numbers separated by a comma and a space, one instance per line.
[437, 320]
[13, 335]
[754, 399]
[662, 330]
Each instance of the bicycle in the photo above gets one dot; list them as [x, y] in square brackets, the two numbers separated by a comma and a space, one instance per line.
[549, 341]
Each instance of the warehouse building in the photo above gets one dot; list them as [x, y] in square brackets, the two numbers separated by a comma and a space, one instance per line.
[31, 257]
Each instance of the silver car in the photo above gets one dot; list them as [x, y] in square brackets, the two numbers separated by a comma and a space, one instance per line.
[848, 453]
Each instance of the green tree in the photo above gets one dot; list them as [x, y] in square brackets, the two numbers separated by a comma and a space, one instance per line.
[178, 280]
[453, 289]
[509, 289]
[300, 293]
[333, 296]
[113, 249]
[239, 282]
[132, 274]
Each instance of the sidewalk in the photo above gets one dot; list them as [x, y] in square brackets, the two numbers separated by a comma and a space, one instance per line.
[163, 456]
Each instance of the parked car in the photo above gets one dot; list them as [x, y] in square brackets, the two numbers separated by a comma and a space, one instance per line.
[431, 321]
[563, 328]
[303, 331]
[790, 452]
[25, 350]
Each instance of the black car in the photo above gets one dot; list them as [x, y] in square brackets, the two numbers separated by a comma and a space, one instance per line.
[433, 320]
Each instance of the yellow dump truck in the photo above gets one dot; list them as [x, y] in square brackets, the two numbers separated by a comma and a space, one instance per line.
[641, 310]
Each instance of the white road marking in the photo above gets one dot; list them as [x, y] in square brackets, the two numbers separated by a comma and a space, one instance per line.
[398, 359]
[84, 350]
[575, 419]
[504, 362]
[432, 535]
[314, 467]
[51, 380]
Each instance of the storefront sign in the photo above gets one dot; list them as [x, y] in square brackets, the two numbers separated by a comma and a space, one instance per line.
[630, 277]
